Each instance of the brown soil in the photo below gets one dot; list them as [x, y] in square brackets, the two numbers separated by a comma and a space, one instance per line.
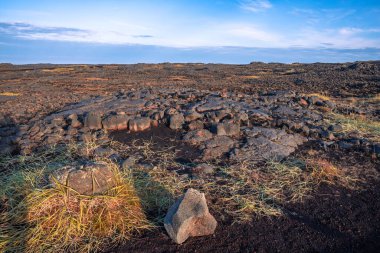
[160, 138]
[338, 223]
[334, 219]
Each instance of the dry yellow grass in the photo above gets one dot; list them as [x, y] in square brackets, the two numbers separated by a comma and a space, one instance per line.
[38, 218]
[95, 79]
[321, 96]
[59, 70]
[250, 77]
[179, 78]
[243, 191]
[10, 94]
[374, 99]
[353, 123]
[324, 171]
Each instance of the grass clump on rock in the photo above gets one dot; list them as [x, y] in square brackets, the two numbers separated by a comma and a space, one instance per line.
[35, 217]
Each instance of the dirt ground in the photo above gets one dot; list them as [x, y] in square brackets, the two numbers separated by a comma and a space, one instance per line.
[334, 219]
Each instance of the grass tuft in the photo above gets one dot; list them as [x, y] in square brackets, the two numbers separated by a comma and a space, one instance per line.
[10, 94]
[351, 123]
[321, 96]
[37, 218]
[59, 70]
[323, 171]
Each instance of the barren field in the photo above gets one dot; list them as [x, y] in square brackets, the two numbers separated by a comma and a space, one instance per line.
[286, 154]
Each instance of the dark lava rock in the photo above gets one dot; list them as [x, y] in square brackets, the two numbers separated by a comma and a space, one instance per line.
[197, 136]
[93, 178]
[267, 144]
[192, 115]
[217, 147]
[195, 125]
[203, 168]
[93, 120]
[139, 124]
[189, 216]
[176, 121]
[116, 122]
[129, 163]
[229, 129]
[336, 128]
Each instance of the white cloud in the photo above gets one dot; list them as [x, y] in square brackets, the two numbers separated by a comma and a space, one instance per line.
[343, 38]
[317, 16]
[252, 35]
[238, 34]
[354, 30]
[255, 5]
[349, 31]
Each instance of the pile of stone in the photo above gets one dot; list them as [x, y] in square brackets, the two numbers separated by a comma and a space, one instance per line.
[219, 123]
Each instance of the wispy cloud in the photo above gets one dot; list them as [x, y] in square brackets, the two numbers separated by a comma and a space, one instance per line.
[252, 34]
[33, 32]
[143, 36]
[343, 38]
[349, 31]
[255, 5]
[314, 16]
[235, 34]
[18, 28]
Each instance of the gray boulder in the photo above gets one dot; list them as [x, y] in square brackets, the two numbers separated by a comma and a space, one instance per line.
[267, 144]
[195, 125]
[189, 216]
[129, 163]
[192, 115]
[116, 122]
[176, 121]
[228, 128]
[139, 124]
[216, 147]
[93, 120]
[197, 136]
[93, 178]
[203, 168]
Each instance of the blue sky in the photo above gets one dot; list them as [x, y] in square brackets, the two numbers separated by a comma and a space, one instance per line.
[233, 31]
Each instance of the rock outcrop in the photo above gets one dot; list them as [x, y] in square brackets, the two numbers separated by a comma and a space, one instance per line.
[189, 216]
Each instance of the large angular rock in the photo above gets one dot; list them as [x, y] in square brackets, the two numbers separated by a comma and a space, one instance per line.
[216, 147]
[192, 115]
[176, 121]
[139, 124]
[93, 120]
[116, 122]
[93, 178]
[284, 111]
[229, 129]
[73, 121]
[267, 144]
[210, 105]
[189, 216]
[194, 125]
[259, 116]
[197, 136]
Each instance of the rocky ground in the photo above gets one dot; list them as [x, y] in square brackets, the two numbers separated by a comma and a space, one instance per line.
[213, 115]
